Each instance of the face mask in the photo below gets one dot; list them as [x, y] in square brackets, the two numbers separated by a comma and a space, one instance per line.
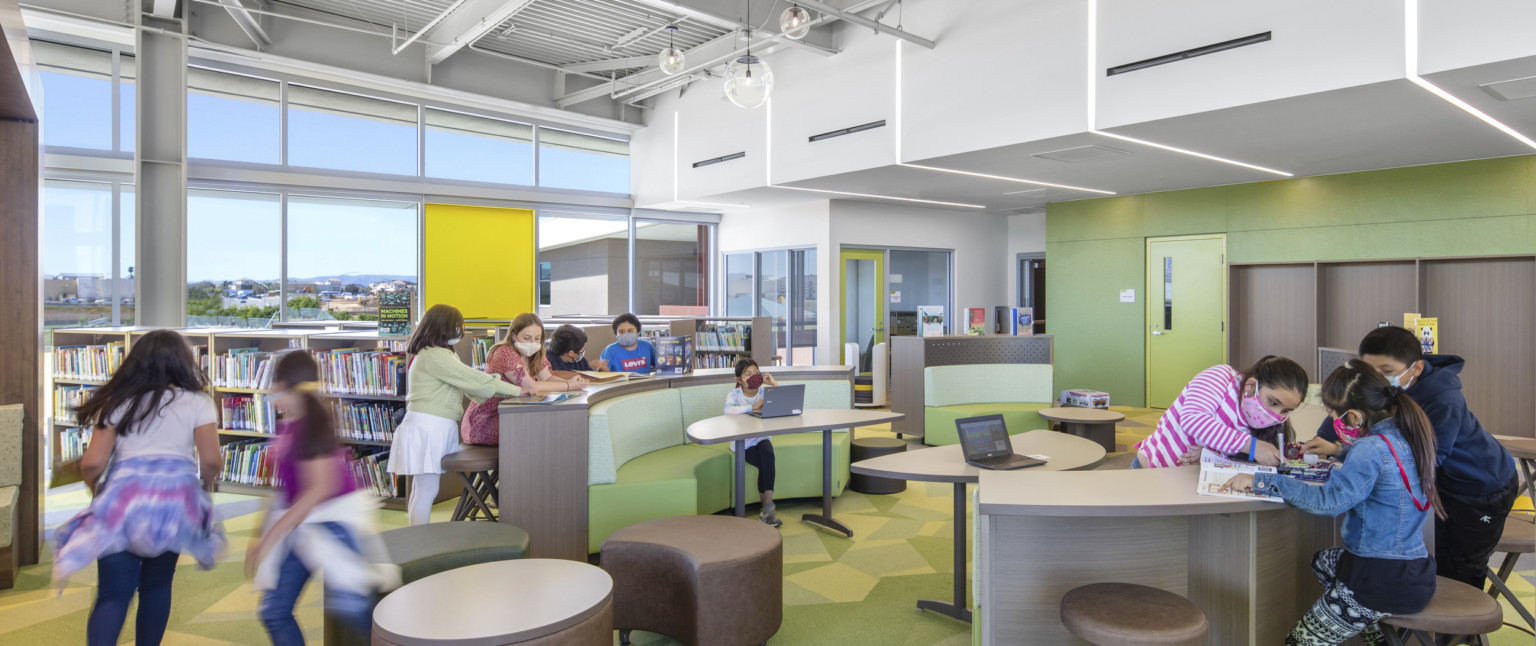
[527, 348]
[1347, 434]
[453, 341]
[755, 381]
[628, 339]
[1256, 415]
[1397, 379]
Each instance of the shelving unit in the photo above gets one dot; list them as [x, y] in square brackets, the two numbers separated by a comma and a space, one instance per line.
[62, 472]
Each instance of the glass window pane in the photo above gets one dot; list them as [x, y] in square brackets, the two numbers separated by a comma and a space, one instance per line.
[773, 292]
[588, 260]
[349, 132]
[802, 314]
[77, 95]
[342, 252]
[77, 253]
[234, 257]
[477, 149]
[128, 247]
[233, 117]
[739, 284]
[671, 269]
[923, 280]
[583, 162]
[128, 74]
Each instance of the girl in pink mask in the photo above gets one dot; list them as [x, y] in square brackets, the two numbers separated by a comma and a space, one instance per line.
[1229, 412]
[748, 397]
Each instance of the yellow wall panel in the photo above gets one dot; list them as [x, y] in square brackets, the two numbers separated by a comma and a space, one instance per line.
[479, 259]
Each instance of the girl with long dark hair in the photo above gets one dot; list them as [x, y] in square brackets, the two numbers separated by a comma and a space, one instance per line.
[155, 423]
[1231, 412]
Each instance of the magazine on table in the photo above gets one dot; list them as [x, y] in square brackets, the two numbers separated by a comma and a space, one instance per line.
[1216, 470]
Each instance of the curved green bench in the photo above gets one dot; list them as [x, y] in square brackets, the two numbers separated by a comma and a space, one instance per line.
[642, 467]
[1017, 391]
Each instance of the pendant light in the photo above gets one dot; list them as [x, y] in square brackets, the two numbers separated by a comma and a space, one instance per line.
[670, 59]
[795, 22]
[748, 81]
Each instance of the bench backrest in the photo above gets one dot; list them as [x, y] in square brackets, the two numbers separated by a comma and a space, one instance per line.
[10, 445]
[988, 383]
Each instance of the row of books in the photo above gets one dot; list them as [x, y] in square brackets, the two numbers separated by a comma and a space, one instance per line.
[358, 371]
[366, 420]
[715, 360]
[249, 462]
[243, 368]
[248, 413]
[72, 443]
[370, 469]
[725, 337]
[95, 362]
[66, 399]
[481, 351]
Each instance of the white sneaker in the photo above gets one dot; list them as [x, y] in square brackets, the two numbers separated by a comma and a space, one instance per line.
[768, 516]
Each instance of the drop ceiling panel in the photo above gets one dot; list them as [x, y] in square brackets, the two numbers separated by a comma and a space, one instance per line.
[1519, 114]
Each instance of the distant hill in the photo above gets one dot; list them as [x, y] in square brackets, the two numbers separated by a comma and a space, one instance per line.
[354, 279]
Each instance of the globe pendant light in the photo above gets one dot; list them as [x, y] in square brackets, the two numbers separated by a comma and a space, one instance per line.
[795, 22]
[670, 59]
[748, 81]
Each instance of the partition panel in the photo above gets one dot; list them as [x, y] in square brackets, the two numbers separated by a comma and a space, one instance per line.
[1273, 311]
[1485, 308]
[1354, 297]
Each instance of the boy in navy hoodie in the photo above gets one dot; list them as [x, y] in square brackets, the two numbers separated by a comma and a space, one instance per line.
[1475, 475]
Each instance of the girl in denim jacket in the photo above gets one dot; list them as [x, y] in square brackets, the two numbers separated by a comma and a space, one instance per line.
[1385, 489]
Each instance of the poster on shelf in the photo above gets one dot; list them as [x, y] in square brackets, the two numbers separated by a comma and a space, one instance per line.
[395, 313]
[975, 321]
[930, 320]
[1428, 330]
[1023, 321]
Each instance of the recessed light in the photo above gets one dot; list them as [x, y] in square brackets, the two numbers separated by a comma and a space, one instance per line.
[1512, 89]
[1411, 54]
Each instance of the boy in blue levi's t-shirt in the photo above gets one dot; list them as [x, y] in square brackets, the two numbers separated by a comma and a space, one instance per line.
[630, 353]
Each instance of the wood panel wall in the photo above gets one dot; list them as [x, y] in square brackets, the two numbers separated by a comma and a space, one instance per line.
[20, 344]
[1354, 298]
[1273, 311]
[1486, 310]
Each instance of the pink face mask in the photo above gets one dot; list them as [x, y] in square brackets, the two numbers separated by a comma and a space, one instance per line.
[1347, 434]
[1256, 415]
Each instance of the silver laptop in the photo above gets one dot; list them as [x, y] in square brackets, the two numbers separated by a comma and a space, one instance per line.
[781, 401]
[986, 444]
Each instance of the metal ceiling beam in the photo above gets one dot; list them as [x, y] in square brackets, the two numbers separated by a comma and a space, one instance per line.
[703, 56]
[865, 22]
[163, 8]
[611, 64]
[247, 23]
[723, 22]
[472, 19]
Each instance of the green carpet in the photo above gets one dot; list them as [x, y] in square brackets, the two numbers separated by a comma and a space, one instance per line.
[836, 590]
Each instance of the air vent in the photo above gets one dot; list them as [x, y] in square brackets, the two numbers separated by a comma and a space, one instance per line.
[848, 131]
[1080, 154]
[717, 160]
[1512, 89]
[1189, 53]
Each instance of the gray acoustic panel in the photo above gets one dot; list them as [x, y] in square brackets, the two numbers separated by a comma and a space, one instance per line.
[1329, 360]
[963, 351]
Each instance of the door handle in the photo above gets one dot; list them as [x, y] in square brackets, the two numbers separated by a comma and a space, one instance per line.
[1156, 333]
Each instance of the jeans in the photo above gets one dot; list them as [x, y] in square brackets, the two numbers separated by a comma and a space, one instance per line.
[118, 577]
[277, 604]
[1136, 462]
[1471, 529]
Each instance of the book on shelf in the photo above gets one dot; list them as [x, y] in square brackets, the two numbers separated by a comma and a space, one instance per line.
[248, 413]
[930, 320]
[359, 371]
[243, 368]
[706, 360]
[370, 421]
[481, 351]
[370, 471]
[724, 337]
[975, 321]
[249, 462]
[67, 398]
[72, 443]
[92, 362]
[395, 313]
[1428, 330]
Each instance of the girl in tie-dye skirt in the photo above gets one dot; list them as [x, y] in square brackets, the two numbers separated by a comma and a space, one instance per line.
[155, 424]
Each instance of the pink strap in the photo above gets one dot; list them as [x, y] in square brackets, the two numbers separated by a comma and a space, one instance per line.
[1403, 472]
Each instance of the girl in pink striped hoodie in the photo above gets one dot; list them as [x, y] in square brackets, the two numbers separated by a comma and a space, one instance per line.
[1228, 412]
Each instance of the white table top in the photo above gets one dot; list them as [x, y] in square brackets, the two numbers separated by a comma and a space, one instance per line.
[1075, 414]
[493, 603]
[727, 428]
[1129, 492]
[947, 463]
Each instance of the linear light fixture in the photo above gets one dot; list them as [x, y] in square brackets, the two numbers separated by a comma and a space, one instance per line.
[1411, 50]
[884, 197]
[1010, 179]
[848, 131]
[1188, 54]
[1093, 97]
[716, 205]
[718, 160]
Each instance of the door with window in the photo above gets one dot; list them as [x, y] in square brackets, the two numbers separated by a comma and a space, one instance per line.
[1186, 300]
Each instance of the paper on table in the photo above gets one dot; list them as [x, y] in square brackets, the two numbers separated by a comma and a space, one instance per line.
[1216, 470]
[603, 377]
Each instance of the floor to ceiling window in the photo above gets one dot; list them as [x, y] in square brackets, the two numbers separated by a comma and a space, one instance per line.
[234, 258]
[779, 284]
[584, 263]
[342, 253]
[671, 269]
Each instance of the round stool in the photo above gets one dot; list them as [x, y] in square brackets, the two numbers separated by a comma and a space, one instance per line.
[1125, 614]
[864, 448]
[476, 467]
[1457, 610]
[716, 580]
[532, 602]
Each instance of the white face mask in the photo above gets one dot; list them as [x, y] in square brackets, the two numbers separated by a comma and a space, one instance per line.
[528, 348]
[454, 341]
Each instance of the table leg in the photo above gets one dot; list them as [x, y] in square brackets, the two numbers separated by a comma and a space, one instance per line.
[825, 517]
[957, 609]
[1101, 433]
[741, 477]
[1530, 484]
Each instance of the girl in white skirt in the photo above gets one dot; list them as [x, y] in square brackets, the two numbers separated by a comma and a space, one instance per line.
[438, 383]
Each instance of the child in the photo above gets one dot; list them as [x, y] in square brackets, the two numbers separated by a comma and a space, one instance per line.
[630, 353]
[438, 383]
[567, 350]
[1476, 476]
[322, 520]
[519, 360]
[748, 397]
[149, 420]
[1227, 411]
[1384, 489]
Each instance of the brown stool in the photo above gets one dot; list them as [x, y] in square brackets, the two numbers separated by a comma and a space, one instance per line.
[716, 580]
[864, 448]
[1457, 610]
[1519, 538]
[1126, 614]
[476, 467]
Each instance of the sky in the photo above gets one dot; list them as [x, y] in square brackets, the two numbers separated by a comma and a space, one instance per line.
[238, 235]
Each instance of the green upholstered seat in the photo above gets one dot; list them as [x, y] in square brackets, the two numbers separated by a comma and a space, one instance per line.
[1017, 391]
[939, 421]
[660, 484]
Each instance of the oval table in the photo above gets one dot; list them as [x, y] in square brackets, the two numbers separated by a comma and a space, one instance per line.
[1096, 424]
[947, 464]
[503, 602]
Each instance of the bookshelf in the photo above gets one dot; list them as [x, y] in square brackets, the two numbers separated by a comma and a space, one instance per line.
[718, 341]
[80, 360]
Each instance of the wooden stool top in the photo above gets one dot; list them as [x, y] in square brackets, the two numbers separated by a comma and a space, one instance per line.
[1456, 609]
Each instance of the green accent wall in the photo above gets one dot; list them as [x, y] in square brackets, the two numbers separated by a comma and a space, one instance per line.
[1097, 247]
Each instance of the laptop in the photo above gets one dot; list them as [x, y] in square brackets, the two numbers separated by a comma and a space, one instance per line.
[986, 444]
[781, 401]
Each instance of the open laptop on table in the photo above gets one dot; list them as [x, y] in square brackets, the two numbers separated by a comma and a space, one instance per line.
[985, 442]
[781, 401]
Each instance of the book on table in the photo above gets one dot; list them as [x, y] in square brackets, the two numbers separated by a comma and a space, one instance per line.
[1216, 470]
[593, 376]
[538, 399]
